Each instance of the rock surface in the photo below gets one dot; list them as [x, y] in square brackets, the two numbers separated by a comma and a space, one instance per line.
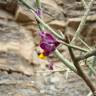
[14, 45]
[21, 72]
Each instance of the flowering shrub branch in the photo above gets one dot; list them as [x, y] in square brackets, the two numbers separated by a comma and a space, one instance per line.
[49, 44]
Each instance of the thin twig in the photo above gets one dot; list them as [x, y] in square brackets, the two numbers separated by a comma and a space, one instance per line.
[52, 71]
[87, 55]
[39, 13]
[82, 23]
[85, 4]
[84, 43]
[65, 61]
[91, 69]
[74, 47]
[80, 71]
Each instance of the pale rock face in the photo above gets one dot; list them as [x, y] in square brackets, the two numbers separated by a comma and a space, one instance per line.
[17, 50]
[16, 45]
[17, 39]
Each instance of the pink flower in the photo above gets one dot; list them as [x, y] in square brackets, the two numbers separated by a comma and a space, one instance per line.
[48, 43]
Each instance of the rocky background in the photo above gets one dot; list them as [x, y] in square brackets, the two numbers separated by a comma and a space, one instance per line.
[22, 73]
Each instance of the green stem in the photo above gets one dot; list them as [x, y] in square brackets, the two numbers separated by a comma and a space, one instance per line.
[92, 69]
[87, 55]
[75, 47]
[84, 19]
[85, 4]
[65, 61]
[85, 44]
[40, 20]
[38, 3]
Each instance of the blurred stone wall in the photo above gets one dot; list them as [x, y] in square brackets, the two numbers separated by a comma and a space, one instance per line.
[21, 72]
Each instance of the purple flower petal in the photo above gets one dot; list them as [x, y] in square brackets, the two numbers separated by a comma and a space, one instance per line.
[42, 34]
[50, 66]
[47, 47]
[38, 12]
[48, 43]
[47, 36]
